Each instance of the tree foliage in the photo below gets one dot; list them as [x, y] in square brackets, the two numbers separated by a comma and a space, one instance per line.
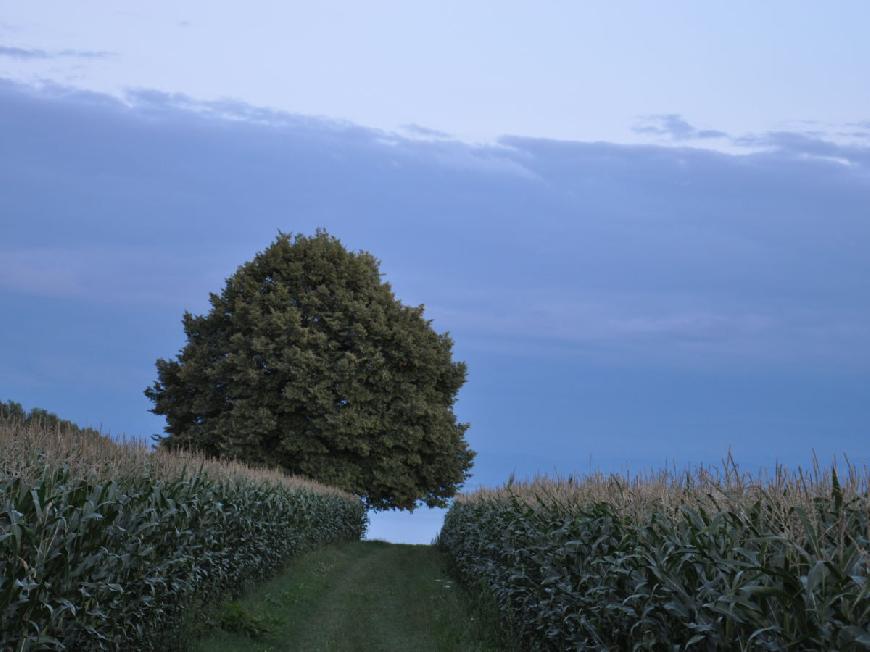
[308, 361]
[14, 414]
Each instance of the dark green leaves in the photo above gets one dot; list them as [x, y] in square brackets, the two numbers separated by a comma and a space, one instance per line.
[96, 559]
[756, 572]
[307, 360]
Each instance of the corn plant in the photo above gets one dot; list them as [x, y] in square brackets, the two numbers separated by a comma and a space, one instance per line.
[694, 562]
[103, 546]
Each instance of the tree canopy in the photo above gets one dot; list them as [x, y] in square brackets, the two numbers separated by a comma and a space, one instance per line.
[15, 414]
[307, 360]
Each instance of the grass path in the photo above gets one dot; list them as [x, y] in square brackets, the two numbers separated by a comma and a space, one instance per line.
[367, 596]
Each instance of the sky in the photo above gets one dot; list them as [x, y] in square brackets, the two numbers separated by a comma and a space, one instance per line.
[645, 225]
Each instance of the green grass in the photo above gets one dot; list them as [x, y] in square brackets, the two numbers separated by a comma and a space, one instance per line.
[368, 596]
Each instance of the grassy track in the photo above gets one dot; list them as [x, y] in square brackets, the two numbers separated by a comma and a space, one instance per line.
[367, 596]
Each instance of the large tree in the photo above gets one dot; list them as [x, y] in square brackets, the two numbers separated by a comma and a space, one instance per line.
[308, 361]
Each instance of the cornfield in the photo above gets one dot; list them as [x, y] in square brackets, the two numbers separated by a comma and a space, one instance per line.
[104, 545]
[706, 560]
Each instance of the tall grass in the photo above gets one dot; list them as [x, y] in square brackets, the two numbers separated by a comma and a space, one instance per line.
[104, 545]
[704, 560]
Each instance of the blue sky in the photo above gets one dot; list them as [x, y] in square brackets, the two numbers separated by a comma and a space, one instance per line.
[645, 257]
[478, 70]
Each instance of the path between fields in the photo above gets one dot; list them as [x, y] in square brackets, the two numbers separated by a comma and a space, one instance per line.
[366, 596]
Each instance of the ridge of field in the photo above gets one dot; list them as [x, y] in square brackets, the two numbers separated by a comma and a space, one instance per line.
[108, 545]
[703, 560]
[367, 596]
[35, 440]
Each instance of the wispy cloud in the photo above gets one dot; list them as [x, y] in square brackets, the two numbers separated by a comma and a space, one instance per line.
[808, 144]
[812, 138]
[675, 127]
[34, 54]
[116, 274]
[425, 132]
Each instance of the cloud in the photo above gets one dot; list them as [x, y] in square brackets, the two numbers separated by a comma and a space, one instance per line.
[829, 144]
[805, 144]
[673, 126]
[425, 132]
[117, 274]
[33, 54]
[627, 301]
[35, 273]
[654, 251]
